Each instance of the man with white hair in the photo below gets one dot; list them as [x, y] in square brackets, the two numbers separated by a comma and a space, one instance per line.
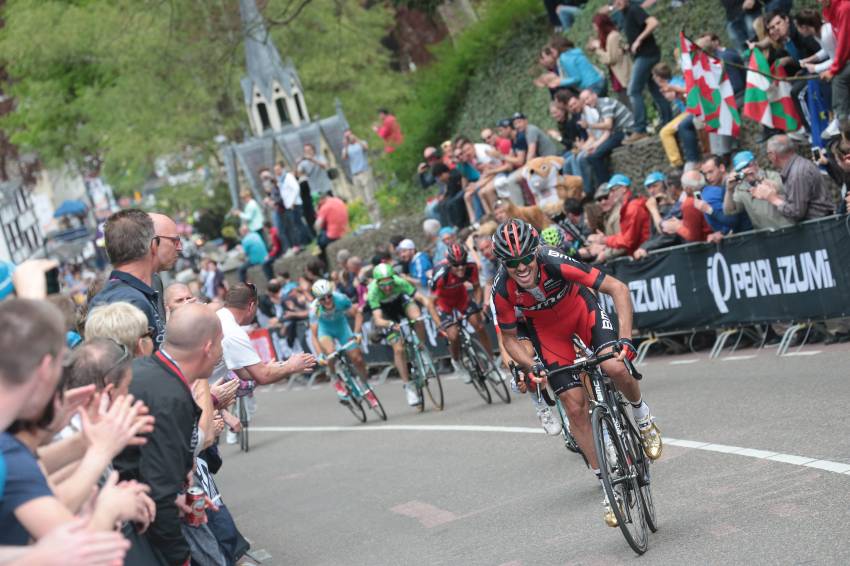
[806, 195]
[412, 265]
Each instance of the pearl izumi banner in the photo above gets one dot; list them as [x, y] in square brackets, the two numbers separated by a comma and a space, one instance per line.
[794, 274]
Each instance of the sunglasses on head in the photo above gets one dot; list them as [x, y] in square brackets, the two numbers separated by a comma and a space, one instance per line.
[125, 355]
[524, 260]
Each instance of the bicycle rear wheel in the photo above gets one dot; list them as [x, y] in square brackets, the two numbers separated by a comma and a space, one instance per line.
[619, 479]
[371, 399]
[644, 480]
[494, 377]
[431, 380]
[479, 381]
[243, 422]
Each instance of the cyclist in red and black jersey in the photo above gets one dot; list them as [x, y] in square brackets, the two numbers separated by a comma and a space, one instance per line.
[556, 295]
[450, 295]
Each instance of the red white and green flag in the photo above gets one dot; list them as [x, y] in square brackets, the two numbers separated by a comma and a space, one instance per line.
[709, 91]
[766, 100]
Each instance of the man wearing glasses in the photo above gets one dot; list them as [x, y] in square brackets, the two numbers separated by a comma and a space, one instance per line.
[392, 299]
[450, 296]
[557, 295]
[329, 313]
[134, 249]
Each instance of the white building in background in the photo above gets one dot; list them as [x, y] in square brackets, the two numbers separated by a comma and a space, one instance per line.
[21, 236]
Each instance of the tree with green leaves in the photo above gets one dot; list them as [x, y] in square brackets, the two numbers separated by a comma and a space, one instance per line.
[118, 83]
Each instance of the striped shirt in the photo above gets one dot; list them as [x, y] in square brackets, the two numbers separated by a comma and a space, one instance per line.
[612, 108]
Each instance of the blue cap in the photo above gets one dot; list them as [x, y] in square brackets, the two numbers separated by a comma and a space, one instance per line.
[742, 159]
[6, 285]
[619, 180]
[446, 230]
[654, 177]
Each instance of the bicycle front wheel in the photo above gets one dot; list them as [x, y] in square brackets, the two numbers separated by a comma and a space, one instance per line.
[371, 399]
[642, 466]
[431, 380]
[479, 381]
[494, 377]
[243, 422]
[619, 479]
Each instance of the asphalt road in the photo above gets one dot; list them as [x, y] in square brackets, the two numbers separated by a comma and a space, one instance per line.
[364, 496]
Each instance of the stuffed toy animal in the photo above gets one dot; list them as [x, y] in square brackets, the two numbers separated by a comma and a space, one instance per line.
[549, 186]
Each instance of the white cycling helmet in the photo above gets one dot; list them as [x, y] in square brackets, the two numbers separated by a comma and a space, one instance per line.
[322, 287]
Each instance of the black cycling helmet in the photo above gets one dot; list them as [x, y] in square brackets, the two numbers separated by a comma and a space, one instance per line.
[456, 254]
[515, 239]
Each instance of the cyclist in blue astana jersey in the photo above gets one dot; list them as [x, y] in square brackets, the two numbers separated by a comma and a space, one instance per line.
[329, 322]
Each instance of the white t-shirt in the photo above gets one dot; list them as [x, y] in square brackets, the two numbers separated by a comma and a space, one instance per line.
[481, 155]
[591, 116]
[237, 347]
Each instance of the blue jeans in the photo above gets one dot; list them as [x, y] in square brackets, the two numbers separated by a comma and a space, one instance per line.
[567, 15]
[740, 31]
[599, 161]
[280, 223]
[576, 164]
[641, 78]
[299, 235]
[689, 140]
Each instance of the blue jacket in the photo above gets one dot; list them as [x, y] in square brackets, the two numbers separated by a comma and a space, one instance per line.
[718, 220]
[577, 70]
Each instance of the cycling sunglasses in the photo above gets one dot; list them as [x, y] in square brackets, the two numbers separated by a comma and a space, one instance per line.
[385, 283]
[514, 263]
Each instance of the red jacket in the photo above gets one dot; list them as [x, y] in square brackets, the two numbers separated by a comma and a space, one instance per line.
[634, 225]
[390, 132]
[838, 14]
[274, 240]
[695, 227]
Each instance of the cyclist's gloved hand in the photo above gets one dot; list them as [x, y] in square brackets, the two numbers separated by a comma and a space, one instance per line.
[538, 374]
[627, 349]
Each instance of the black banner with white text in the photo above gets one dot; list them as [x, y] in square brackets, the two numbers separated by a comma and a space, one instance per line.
[797, 273]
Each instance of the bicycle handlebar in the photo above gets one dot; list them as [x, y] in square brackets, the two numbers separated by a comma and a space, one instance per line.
[460, 319]
[583, 364]
[340, 351]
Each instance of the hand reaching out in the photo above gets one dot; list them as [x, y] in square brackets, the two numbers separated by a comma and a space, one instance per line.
[300, 363]
[74, 543]
[118, 427]
[225, 392]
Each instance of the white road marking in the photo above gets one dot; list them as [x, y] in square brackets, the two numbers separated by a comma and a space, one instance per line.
[826, 465]
[809, 353]
[682, 362]
[735, 358]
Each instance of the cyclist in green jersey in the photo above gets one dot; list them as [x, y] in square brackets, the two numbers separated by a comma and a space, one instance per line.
[392, 299]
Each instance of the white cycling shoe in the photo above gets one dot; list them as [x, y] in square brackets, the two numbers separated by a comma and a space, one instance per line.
[550, 424]
[412, 395]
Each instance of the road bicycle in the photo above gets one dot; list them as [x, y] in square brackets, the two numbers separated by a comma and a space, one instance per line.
[623, 464]
[245, 390]
[479, 363]
[359, 392]
[423, 372]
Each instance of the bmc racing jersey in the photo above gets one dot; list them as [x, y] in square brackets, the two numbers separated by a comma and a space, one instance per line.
[450, 290]
[560, 305]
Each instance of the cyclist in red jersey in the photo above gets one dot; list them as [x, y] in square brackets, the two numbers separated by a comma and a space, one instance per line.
[449, 295]
[553, 291]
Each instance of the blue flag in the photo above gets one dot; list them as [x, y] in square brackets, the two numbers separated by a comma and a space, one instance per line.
[818, 114]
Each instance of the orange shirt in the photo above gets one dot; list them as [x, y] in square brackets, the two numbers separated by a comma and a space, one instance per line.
[334, 216]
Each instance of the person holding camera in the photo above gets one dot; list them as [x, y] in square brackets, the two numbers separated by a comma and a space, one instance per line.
[739, 188]
[354, 152]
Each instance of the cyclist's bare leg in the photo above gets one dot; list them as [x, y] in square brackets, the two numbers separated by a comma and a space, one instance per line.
[625, 383]
[578, 411]
[454, 344]
[412, 311]
[356, 357]
[478, 324]
[400, 360]
[326, 345]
